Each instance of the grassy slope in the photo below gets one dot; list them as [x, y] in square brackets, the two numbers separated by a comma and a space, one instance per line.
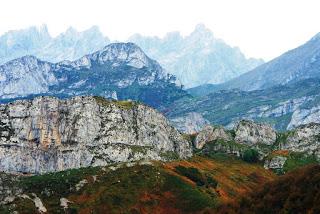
[295, 192]
[159, 188]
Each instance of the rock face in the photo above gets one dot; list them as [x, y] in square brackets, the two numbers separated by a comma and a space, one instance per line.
[48, 134]
[250, 133]
[190, 124]
[25, 76]
[209, 134]
[305, 116]
[305, 138]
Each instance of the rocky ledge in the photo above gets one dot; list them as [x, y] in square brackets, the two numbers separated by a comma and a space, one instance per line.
[47, 134]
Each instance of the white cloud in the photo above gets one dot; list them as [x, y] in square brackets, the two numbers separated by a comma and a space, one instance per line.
[261, 28]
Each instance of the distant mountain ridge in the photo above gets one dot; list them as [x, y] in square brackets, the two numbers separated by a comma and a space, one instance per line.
[196, 59]
[37, 41]
[298, 64]
[118, 71]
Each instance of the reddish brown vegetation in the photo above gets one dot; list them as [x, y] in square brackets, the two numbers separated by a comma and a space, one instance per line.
[295, 192]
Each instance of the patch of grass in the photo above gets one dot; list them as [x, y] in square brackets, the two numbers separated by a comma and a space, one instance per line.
[281, 140]
[297, 160]
[56, 184]
[196, 176]
[102, 101]
[22, 206]
[189, 137]
[169, 155]
[123, 104]
[5, 210]
[140, 149]
[222, 157]
[188, 198]
[192, 173]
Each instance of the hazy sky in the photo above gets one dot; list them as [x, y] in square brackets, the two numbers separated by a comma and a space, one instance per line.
[261, 28]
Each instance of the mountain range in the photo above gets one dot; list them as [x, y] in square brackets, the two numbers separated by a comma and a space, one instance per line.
[37, 41]
[196, 59]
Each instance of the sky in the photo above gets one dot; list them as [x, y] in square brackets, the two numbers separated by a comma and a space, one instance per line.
[260, 28]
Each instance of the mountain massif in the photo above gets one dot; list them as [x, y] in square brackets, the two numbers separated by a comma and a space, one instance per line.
[118, 71]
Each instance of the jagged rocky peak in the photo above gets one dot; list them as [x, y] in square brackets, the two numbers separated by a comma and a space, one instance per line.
[117, 54]
[47, 134]
[251, 133]
[128, 53]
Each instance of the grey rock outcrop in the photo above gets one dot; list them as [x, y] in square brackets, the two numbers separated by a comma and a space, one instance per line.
[305, 138]
[48, 134]
[209, 134]
[276, 162]
[250, 133]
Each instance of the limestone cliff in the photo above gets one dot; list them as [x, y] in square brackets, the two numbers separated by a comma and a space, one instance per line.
[47, 134]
